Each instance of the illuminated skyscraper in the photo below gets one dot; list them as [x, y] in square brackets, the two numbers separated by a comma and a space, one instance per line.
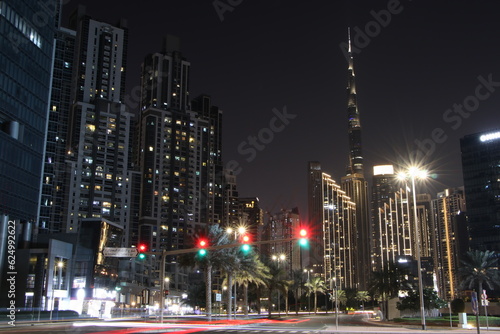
[481, 172]
[55, 172]
[332, 219]
[98, 182]
[354, 183]
[179, 156]
[450, 227]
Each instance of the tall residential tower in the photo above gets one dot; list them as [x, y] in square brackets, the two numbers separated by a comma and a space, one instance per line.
[179, 156]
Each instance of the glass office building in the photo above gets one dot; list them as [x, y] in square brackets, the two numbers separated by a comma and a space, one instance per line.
[481, 172]
[26, 48]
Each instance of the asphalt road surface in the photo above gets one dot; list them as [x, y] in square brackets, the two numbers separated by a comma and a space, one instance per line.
[291, 324]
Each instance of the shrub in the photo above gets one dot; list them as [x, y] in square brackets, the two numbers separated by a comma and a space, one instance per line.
[457, 306]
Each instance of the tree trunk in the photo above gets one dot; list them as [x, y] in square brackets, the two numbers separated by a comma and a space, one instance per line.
[245, 299]
[297, 299]
[208, 292]
[478, 326]
[229, 295]
[269, 303]
[315, 303]
[258, 301]
[286, 302]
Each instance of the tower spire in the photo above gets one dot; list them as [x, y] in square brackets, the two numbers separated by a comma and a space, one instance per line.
[354, 125]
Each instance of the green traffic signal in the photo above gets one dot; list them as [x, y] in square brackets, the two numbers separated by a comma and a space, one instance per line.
[142, 248]
[245, 240]
[202, 244]
[303, 241]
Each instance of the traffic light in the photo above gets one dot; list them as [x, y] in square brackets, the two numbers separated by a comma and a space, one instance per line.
[245, 240]
[303, 240]
[142, 248]
[202, 245]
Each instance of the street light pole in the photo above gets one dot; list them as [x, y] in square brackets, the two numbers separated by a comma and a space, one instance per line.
[242, 229]
[59, 277]
[162, 284]
[309, 296]
[417, 241]
[282, 257]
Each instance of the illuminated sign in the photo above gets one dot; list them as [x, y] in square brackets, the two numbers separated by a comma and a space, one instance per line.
[490, 136]
[383, 170]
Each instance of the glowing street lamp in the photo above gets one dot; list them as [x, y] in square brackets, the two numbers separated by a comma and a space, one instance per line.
[413, 173]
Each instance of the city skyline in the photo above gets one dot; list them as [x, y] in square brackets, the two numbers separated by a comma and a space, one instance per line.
[266, 60]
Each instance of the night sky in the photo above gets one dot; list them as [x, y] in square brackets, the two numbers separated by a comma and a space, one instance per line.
[413, 71]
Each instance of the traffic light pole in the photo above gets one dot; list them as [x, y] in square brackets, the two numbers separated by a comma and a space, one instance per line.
[164, 253]
[193, 250]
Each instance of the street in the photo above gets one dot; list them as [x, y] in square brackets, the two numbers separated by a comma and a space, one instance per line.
[296, 324]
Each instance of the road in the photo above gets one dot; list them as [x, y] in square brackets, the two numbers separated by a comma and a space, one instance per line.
[292, 324]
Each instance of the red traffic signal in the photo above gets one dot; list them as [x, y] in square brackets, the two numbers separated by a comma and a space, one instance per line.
[202, 244]
[303, 233]
[142, 248]
[245, 240]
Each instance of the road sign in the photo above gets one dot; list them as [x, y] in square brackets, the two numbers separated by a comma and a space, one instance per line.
[120, 252]
[484, 299]
[474, 302]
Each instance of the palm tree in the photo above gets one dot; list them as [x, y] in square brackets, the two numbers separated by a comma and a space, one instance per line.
[315, 285]
[350, 295]
[285, 288]
[363, 296]
[224, 258]
[340, 295]
[274, 282]
[296, 287]
[479, 269]
[252, 271]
